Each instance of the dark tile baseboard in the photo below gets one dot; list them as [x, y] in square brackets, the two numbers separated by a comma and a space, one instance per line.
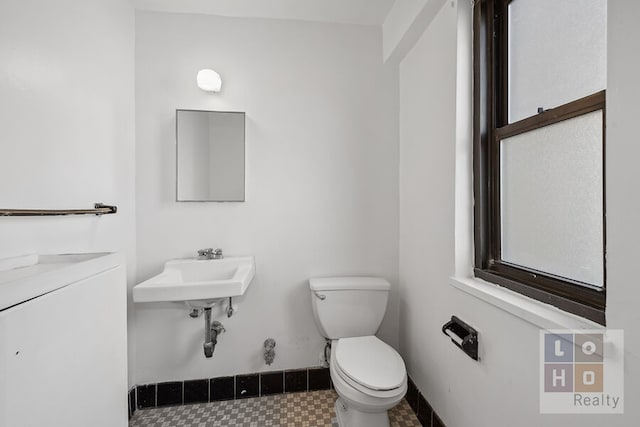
[247, 386]
[222, 388]
[196, 391]
[271, 383]
[170, 393]
[228, 388]
[319, 379]
[425, 414]
[132, 401]
[296, 380]
[254, 385]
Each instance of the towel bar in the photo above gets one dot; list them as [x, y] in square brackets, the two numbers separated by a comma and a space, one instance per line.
[98, 209]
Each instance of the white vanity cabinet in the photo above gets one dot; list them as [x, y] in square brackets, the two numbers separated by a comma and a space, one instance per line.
[63, 357]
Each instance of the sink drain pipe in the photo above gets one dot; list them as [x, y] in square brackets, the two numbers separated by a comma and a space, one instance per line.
[211, 332]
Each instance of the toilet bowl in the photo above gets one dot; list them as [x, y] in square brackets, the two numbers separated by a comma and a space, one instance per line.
[366, 392]
[368, 375]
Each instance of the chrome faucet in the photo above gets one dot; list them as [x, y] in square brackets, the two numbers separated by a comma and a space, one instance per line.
[210, 253]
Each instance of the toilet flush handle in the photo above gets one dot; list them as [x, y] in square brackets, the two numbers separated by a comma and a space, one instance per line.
[321, 297]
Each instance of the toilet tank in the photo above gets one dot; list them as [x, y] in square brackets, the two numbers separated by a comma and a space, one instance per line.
[348, 306]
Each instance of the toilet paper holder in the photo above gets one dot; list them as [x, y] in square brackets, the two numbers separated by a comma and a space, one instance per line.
[463, 336]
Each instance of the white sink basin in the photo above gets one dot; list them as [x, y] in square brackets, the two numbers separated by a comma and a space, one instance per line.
[202, 282]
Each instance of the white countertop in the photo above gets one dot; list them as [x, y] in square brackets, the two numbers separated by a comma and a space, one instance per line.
[25, 277]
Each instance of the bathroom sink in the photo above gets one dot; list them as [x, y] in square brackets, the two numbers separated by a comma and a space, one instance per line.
[198, 282]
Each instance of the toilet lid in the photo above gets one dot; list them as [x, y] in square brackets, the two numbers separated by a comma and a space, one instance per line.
[370, 362]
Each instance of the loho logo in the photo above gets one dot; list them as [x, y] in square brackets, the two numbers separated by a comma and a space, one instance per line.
[569, 354]
[581, 371]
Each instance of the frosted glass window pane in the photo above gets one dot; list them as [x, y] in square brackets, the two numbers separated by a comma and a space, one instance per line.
[557, 53]
[552, 199]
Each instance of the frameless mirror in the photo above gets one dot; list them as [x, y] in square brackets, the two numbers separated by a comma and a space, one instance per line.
[210, 156]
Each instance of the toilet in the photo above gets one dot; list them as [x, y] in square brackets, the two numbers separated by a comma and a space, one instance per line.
[369, 375]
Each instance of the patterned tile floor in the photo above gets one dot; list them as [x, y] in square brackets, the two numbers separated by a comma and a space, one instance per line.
[309, 409]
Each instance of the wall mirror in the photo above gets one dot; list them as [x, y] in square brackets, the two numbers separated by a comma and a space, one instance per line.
[210, 156]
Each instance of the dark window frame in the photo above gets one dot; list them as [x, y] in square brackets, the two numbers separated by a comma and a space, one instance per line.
[490, 125]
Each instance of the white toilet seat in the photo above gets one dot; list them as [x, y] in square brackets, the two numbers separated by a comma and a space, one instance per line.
[370, 366]
[382, 394]
[370, 362]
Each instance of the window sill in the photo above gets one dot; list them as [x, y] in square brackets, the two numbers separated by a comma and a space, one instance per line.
[542, 315]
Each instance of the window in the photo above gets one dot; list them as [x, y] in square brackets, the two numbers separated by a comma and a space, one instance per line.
[539, 120]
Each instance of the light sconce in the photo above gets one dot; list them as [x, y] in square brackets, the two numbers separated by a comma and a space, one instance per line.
[209, 81]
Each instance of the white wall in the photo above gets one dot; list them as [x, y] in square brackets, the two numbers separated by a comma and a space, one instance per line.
[427, 156]
[502, 389]
[67, 130]
[622, 174]
[404, 24]
[321, 189]
[358, 12]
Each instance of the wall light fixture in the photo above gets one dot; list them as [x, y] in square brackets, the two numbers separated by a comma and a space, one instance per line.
[209, 81]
